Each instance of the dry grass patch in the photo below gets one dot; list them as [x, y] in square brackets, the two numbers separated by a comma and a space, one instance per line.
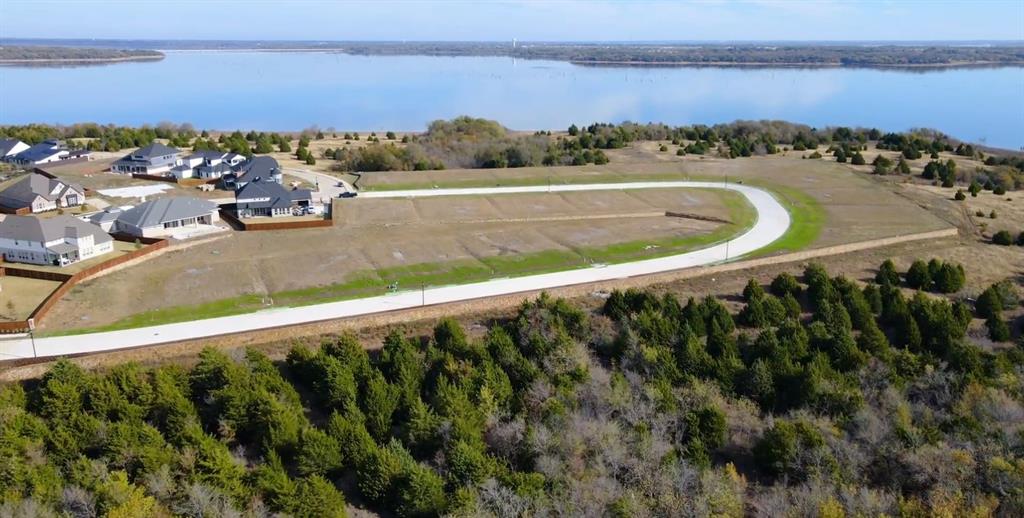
[20, 296]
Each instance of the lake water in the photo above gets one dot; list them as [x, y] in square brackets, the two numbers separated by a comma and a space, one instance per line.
[292, 91]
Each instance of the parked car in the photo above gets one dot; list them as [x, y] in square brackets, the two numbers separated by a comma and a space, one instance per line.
[348, 194]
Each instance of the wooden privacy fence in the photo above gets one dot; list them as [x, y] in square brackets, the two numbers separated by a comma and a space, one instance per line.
[69, 280]
[240, 224]
[155, 178]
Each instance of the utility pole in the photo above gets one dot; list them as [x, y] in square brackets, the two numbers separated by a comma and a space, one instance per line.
[423, 294]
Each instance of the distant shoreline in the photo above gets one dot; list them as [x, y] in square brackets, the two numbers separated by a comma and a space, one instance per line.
[922, 55]
[71, 61]
[42, 56]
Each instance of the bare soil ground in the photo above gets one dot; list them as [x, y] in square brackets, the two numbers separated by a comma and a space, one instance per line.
[383, 235]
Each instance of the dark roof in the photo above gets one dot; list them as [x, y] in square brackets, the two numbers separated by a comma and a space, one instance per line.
[44, 149]
[154, 150]
[162, 210]
[7, 144]
[258, 166]
[24, 191]
[31, 228]
[265, 194]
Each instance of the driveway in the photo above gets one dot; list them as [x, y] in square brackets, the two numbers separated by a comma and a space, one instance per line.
[328, 187]
[772, 223]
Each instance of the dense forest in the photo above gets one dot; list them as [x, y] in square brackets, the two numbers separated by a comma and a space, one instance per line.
[33, 53]
[751, 53]
[821, 397]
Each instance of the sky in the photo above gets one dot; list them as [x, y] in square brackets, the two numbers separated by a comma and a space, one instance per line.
[527, 20]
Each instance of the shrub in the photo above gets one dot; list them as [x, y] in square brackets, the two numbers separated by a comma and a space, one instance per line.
[785, 283]
[1020, 238]
[998, 330]
[918, 276]
[959, 196]
[1002, 238]
[858, 159]
[999, 190]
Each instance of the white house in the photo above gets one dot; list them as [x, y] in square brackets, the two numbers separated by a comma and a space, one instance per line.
[206, 165]
[10, 147]
[40, 193]
[154, 159]
[42, 153]
[185, 167]
[165, 216]
[57, 241]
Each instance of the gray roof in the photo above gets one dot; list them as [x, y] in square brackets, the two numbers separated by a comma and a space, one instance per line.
[24, 191]
[209, 154]
[154, 150]
[219, 168]
[7, 144]
[31, 228]
[109, 214]
[258, 166]
[162, 210]
[279, 197]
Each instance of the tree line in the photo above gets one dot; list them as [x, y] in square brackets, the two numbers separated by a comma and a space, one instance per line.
[821, 396]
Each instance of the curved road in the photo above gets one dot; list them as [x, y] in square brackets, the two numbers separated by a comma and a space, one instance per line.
[772, 222]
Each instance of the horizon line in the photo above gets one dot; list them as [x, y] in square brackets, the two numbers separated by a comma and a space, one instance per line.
[321, 40]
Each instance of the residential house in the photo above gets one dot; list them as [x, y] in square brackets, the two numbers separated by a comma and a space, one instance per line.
[105, 218]
[268, 199]
[164, 216]
[58, 241]
[155, 159]
[10, 147]
[265, 168]
[40, 192]
[42, 153]
[206, 165]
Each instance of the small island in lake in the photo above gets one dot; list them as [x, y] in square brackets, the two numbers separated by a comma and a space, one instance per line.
[50, 56]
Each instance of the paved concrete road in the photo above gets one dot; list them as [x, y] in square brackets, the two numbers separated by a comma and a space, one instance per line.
[772, 222]
[329, 186]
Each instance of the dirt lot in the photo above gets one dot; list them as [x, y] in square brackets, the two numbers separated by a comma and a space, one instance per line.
[385, 240]
[858, 207]
[447, 240]
[19, 296]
